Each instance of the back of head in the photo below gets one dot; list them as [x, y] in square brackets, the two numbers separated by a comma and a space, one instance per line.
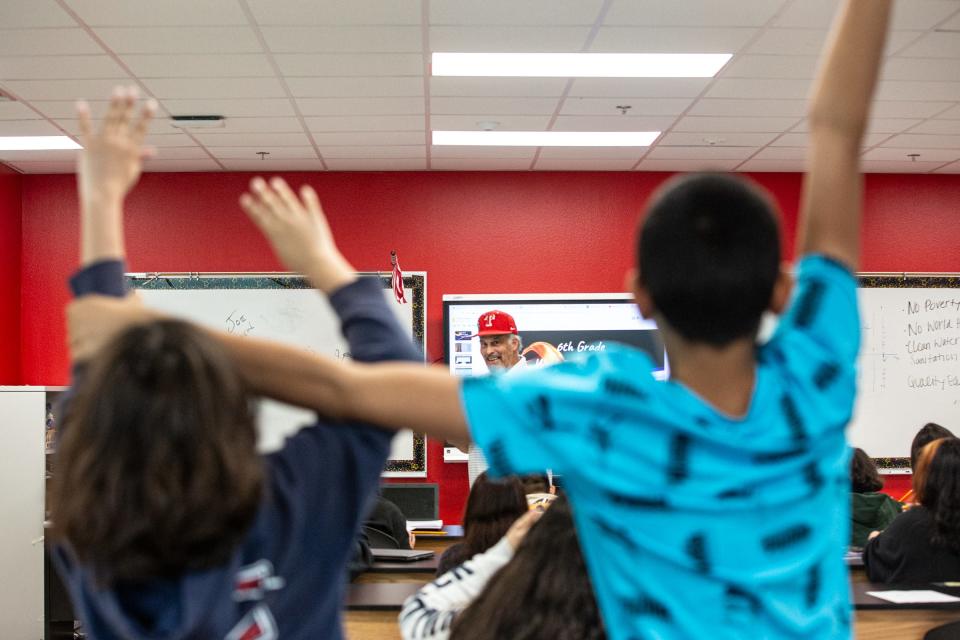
[535, 483]
[157, 471]
[864, 477]
[709, 254]
[927, 434]
[492, 506]
[937, 485]
[544, 592]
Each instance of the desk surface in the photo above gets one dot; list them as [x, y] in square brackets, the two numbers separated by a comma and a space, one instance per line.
[379, 596]
[428, 566]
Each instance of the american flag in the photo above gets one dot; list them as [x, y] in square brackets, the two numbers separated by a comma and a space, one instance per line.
[396, 279]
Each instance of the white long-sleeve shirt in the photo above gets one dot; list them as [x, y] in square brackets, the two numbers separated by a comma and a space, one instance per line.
[429, 613]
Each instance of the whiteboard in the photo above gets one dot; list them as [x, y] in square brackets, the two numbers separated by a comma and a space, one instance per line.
[284, 307]
[909, 367]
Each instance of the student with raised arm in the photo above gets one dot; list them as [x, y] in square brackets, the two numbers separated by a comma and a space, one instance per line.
[685, 492]
[167, 522]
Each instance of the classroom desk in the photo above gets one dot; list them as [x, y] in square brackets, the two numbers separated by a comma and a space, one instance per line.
[410, 572]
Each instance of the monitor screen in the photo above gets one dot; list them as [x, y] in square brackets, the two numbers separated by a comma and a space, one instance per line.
[552, 327]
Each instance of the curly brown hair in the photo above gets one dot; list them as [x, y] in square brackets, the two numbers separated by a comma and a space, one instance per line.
[157, 471]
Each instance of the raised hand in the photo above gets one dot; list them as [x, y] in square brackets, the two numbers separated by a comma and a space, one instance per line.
[298, 232]
[93, 321]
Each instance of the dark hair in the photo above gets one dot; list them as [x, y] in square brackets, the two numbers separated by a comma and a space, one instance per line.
[492, 506]
[937, 486]
[544, 592]
[535, 483]
[927, 434]
[864, 477]
[708, 252]
[157, 472]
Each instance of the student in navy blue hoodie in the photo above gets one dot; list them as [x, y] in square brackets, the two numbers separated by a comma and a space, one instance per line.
[167, 523]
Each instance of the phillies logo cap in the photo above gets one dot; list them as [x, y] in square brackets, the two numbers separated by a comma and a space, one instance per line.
[496, 322]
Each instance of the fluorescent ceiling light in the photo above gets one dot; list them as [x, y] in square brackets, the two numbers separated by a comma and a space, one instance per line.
[545, 138]
[36, 143]
[581, 65]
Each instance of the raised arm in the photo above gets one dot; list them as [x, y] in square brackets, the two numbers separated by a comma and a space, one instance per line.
[832, 201]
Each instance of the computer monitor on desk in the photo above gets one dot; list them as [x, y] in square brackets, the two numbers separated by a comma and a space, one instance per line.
[417, 501]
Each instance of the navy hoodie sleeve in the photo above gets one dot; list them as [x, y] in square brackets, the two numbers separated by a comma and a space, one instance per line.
[323, 477]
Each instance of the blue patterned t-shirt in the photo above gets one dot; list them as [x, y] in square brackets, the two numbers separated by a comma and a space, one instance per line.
[695, 524]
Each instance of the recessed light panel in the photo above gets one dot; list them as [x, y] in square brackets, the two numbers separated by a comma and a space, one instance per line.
[580, 65]
[36, 143]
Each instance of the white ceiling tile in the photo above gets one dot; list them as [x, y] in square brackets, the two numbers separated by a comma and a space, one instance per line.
[31, 90]
[360, 106]
[953, 24]
[365, 123]
[215, 88]
[388, 164]
[370, 138]
[40, 14]
[162, 141]
[237, 65]
[756, 107]
[584, 164]
[493, 106]
[335, 12]
[907, 109]
[938, 127]
[259, 125]
[180, 40]
[910, 14]
[903, 155]
[639, 87]
[30, 42]
[773, 166]
[952, 114]
[506, 123]
[613, 123]
[736, 139]
[741, 124]
[782, 153]
[709, 13]
[61, 155]
[809, 42]
[670, 40]
[72, 125]
[181, 153]
[950, 168]
[402, 151]
[350, 64]
[923, 69]
[482, 152]
[343, 39]
[356, 87]
[880, 166]
[917, 141]
[230, 108]
[44, 167]
[875, 126]
[508, 39]
[770, 66]
[59, 68]
[489, 87]
[126, 13]
[270, 166]
[250, 153]
[252, 139]
[174, 166]
[803, 140]
[638, 106]
[480, 164]
[903, 90]
[16, 111]
[688, 165]
[760, 88]
[508, 12]
[28, 128]
[701, 153]
[610, 153]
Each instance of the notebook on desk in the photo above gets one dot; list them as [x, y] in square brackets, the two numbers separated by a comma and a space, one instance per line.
[400, 555]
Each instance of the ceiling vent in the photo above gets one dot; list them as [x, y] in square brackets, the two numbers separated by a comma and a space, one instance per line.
[197, 122]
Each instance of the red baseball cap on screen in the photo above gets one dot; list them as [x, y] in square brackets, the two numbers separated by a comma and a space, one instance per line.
[496, 322]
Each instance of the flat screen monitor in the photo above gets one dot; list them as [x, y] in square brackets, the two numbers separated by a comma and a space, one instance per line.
[417, 501]
[551, 327]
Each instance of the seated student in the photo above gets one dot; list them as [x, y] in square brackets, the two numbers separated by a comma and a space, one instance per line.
[166, 521]
[692, 520]
[927, 434]
[923, 544]
[536, 587]
[386, 526]
[872, 510]
[492, 506]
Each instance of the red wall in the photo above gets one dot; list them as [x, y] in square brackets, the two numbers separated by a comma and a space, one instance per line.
[472, 233]
[10, 243]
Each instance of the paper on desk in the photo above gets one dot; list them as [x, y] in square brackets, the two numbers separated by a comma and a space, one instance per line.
[914, 596]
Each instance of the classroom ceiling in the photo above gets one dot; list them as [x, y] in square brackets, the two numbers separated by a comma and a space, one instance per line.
[344, 85]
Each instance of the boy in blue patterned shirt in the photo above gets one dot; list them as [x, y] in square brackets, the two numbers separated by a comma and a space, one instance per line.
[714, 504]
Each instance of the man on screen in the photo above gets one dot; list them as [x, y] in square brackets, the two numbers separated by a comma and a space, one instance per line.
[499, 341]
